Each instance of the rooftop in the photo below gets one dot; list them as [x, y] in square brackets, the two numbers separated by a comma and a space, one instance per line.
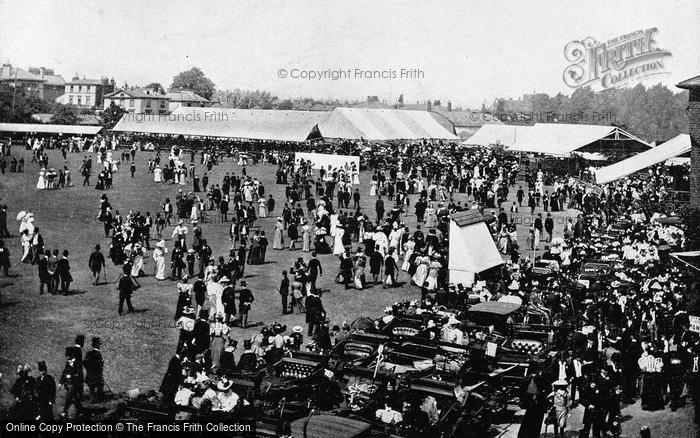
[135, 93]
[690, 83]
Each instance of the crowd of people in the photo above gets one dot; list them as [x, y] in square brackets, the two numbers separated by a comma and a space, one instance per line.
[628, 337]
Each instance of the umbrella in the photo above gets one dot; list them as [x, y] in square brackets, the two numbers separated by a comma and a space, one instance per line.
[558, 241]
[21, 215]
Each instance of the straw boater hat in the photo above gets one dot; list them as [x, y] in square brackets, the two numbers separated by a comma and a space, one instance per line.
[224, 279]
[560, 382]
[297, 329]
[161, 244]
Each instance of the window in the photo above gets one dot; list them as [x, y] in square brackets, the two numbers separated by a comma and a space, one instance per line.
[162, 103]
[71, 88]
[70, 100]
[131, 103]
[79, 100]
[148, 103]
[87, 100]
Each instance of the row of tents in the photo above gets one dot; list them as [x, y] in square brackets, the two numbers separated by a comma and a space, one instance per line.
[592, 142]
[271, 125]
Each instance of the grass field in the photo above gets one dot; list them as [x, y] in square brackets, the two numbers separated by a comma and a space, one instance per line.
[136, 347]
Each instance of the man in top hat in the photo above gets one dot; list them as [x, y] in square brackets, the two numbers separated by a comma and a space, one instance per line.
[45, 394]
[72, 381]
[96, 263]
[77, 350]
[94, 366]
[245, 301]
[228, 298]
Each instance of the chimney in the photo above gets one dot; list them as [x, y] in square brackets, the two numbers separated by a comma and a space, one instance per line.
[693, 111]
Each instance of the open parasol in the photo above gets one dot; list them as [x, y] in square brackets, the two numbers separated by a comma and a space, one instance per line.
[21, 215]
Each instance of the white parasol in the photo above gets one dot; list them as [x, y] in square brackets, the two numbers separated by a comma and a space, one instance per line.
[21, 215]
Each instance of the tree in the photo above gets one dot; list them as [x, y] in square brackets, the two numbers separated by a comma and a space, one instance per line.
[112, 115]
[194, 80]
[65, 115]
[156, 86]
[400, 101]
[286, 104]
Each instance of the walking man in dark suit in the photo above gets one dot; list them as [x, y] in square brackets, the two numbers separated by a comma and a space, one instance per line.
[94, 366]
[96, 263]
[45, 390]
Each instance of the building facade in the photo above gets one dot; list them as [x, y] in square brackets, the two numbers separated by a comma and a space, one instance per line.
[186, 99]
[138, 101]
[40, 82]
[86, 93]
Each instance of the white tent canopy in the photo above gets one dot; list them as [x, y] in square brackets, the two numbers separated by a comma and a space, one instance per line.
[561, 139]
[50, 129]
[676, 146]
[472, 249]
[253, 124]
[384, 124]
[503, 135]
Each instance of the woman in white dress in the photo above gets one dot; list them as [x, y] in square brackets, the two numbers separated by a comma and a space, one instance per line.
[137, 263]
[422, 270]
[408, 248]
[431, 217]
[262, 207]
[159, 258]
[305, 237]
[26, 245]
[338, 247]
[433, 269]
[373, 187]
[196, 209]
[355, 177]
[157, 174]
[41, 183]
[278, 240]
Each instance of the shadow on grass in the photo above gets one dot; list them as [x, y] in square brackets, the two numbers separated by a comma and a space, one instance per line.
[9, 303]
[75, 292]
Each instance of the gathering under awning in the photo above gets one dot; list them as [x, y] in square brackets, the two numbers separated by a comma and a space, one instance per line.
[673, 148]
[37, 128]
[560, 139]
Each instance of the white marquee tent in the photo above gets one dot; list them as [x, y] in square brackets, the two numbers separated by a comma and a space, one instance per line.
[673, 148]
[472, 249]
[562, 139]
[491, 134]
[385, 124]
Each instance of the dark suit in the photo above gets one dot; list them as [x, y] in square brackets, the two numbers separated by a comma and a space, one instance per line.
[72, 381]
[45, 396]
[94, 378]
[315, 313]
[201, 336]
[284, 293]
[63, 273]
[172, 379]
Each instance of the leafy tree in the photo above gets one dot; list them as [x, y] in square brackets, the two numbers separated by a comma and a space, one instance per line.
[65, 115]
[400, 101]
[286, 104]
[112, 115]
[194, 80]
[156, 86]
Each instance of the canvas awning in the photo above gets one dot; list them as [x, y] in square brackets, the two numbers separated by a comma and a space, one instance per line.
[254, 124]
[50, 129]
[494, 307]
[471, 248]
[561, 139]
[676, 146]
[503, 135]
[384, 124]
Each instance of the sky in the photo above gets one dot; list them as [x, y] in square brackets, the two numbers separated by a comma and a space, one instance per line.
[465, 51]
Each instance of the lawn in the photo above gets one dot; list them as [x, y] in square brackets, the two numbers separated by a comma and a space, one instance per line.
[136, 347]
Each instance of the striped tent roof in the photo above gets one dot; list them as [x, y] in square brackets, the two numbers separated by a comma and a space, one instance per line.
[385, 124]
